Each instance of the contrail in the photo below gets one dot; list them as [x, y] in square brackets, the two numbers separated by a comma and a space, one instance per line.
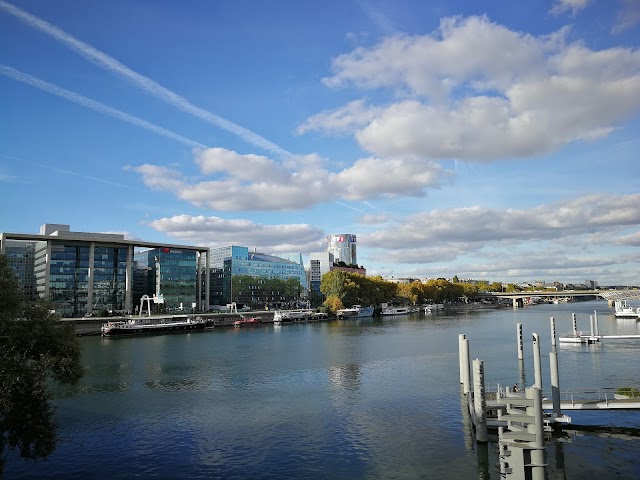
[151, 87]
[349, 206]
[94, 105]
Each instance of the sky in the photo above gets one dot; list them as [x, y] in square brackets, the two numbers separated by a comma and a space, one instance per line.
[492, 140]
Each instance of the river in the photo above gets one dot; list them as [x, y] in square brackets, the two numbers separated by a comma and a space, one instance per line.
[374, 398]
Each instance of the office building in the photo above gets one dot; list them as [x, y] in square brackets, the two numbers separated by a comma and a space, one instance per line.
[319, 264]
[230, 262]
[343, 248]
[82, 273]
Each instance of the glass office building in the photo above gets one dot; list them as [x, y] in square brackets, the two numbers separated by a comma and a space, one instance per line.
[171, 274]
[81, 273]
[232, 261]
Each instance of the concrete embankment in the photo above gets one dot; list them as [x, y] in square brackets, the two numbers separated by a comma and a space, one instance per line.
[91, 325]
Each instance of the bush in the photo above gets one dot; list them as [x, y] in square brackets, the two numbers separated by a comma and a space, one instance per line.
[631, 392]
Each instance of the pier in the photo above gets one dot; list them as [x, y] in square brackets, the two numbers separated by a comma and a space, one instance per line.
[523, 418]
[594, 335]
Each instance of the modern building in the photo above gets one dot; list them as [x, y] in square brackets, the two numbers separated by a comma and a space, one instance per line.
[319, 264]
[82, 273]
[343, 248]
[229, 262]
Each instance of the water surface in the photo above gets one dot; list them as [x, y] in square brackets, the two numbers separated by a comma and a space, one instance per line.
[353, 399]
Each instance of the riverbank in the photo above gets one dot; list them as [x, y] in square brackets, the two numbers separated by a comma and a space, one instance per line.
[91, 326]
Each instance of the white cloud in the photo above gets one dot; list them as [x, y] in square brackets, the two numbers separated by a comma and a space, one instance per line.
[348, 118]
[482, 92]
[476, 227]
[216, 232]
[374, 178]
[632, 240]
[573, 6]
[253, 182]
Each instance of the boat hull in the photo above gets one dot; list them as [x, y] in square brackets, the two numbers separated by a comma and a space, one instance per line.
[355, 312]
[128, 328]
[398, 311]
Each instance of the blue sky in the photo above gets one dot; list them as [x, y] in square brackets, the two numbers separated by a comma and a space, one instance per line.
[491, 140]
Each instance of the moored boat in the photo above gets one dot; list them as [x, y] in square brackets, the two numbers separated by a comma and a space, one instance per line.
[398, 310]
[355, 311]
[252, 321]
[292, 316]
[433, 307]
[142, 325]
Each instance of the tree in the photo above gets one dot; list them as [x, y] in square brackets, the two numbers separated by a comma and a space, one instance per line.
[332, 304]
[407, 293]
[34, 346]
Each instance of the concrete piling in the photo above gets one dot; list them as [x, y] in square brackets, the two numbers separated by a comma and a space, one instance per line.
[466, 387]
[461, 337]
[554, 371]
[537, 428]
[537, 366]
[520, 341]
[479, 401]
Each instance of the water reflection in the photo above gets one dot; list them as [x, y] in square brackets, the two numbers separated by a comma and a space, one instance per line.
[345, 377]
[26, 415]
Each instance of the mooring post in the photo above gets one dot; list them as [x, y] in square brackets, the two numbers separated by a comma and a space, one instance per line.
[461, 337]
[575, 325]
[537, 428]
[555, 383]
[554, 371]
[537, 366]
[520, 342]
[466, 387]
[595, 322]
[479, 401]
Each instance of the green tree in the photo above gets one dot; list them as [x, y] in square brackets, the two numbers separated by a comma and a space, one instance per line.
[333, 284]
[470, 291]
[332, 304]
[34, 347]
[407, 294]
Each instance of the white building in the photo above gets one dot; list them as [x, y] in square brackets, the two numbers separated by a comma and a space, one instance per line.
[343, 248]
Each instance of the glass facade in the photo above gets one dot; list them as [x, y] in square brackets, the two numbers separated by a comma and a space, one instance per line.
[82, 272]
[169, 272]
[69, 278]
[109, 278]
[236, 261]
[21, 257]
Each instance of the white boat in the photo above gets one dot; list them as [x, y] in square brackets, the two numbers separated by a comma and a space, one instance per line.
[141, 325]
[355, 311]
[624, 310]
[433, 307]
[398, 310]
[297, 316]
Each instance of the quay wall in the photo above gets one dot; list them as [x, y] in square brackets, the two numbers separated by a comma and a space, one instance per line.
[91, 325]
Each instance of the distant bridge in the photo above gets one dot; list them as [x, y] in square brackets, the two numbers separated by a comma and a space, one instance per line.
[610, 295]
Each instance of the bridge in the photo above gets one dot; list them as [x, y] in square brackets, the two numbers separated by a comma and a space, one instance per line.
[609, 295]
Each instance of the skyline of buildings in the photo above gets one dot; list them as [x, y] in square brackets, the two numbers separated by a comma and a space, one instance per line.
[82, 272]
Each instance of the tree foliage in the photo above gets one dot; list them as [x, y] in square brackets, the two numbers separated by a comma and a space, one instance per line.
[34, 346]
